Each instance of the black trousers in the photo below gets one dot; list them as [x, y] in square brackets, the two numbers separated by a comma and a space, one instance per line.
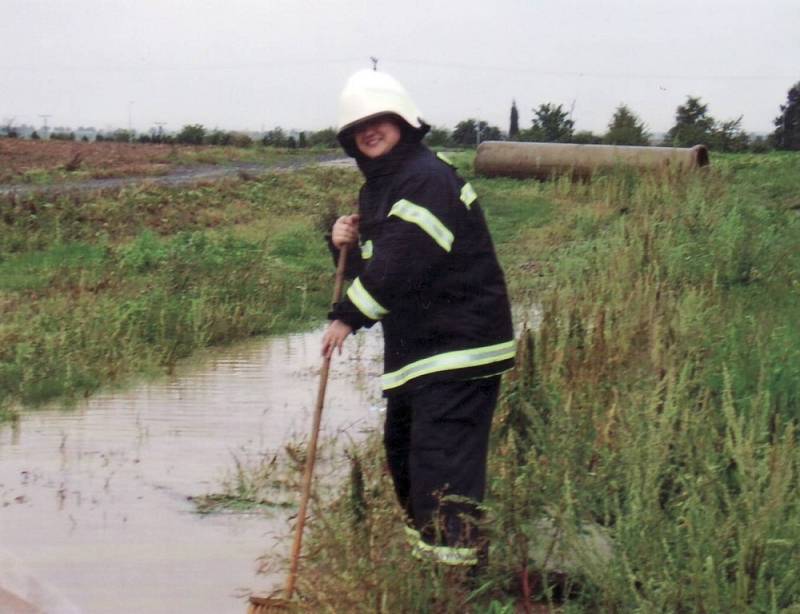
[436, 441]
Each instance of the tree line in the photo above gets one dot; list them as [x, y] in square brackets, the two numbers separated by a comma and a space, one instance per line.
[694, 125]
[550, 123]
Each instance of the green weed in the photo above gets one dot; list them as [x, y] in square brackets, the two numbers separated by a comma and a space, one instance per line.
[645, 452]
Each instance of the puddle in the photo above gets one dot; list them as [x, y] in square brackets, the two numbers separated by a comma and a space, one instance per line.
[93, 500]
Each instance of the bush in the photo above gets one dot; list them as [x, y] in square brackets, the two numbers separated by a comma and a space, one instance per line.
[192, 134]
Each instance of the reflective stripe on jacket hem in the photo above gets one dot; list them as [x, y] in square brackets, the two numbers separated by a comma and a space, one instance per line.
[366, 304]
[445, 554]
[460, 359]
[408, 211]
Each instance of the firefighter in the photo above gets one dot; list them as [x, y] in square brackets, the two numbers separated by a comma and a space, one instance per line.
[423, 264]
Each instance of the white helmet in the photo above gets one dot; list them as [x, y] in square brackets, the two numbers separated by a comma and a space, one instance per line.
[369, 93]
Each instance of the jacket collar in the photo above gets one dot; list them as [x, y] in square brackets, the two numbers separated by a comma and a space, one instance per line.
[387, 164]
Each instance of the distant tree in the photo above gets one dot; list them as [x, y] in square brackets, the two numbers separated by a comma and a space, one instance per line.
[693, 124]
[437, 137]
[586, 137]
[490, 133]
[240, 139]
[274, 138]
[62, 136]
[465, 132]
[513, 125]
[35, 136]
[625, 128]
[291, 143]
[301, 140]
[551, 124]
[729, 136]
[218, 137]
[787, 124]
[759, 144]
[99, 137]
[469, 131]
[122, 136]
[323, 138]
[191, 134]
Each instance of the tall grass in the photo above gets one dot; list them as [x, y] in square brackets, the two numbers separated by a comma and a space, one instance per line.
[645, 454]
[97, 288]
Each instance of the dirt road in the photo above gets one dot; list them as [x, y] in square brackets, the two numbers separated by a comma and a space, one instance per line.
[180, 176]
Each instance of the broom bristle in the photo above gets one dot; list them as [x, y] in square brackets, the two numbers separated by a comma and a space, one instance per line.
[267, 605]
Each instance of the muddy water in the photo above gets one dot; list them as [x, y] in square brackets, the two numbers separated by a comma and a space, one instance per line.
[93, 500]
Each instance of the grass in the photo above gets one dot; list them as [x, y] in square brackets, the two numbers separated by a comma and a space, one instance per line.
[262, 485]
[98, 288]
[645, 455]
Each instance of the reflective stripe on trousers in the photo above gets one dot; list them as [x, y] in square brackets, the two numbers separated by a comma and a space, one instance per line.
[439, 554]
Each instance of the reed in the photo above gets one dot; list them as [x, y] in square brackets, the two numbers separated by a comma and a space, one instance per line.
[645, 454]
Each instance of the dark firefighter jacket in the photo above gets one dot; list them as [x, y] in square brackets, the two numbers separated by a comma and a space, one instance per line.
[427, 269]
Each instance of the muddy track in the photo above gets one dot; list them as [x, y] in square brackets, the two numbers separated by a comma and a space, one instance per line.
[179, 176]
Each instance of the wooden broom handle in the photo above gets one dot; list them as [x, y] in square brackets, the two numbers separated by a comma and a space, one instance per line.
[311, 454]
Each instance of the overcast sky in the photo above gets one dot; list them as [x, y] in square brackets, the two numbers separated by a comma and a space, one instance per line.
[253, 64]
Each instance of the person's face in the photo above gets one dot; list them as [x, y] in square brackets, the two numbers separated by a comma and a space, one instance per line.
[377, 137]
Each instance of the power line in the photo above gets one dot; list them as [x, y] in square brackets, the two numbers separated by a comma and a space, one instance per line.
[176, 67]
[552, 73]
[525, 70]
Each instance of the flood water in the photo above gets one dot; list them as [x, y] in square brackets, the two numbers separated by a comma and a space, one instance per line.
[94, 515]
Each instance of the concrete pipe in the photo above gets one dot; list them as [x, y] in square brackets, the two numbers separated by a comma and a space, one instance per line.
[546, 160]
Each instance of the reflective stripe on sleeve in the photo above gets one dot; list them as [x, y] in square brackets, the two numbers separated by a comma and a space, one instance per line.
[408, 211]
[366, 250]
[460, 359]
[445, 554]
[366, 304]
[468, 195]
[445, 159]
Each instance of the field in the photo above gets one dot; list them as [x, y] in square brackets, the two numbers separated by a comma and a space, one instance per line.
[48, 162]
[645, 454]
[99, 286]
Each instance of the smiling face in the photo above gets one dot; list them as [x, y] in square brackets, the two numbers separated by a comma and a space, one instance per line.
[377, 137]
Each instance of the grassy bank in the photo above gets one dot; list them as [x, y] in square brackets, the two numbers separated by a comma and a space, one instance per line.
[645, 454]
[95, 288]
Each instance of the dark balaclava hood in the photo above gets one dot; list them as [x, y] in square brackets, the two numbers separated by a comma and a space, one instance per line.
[410, 135]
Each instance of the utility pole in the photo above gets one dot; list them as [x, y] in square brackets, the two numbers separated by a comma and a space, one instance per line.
[130, 121]
[374, 62]
[44, 119]
[160, 131]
